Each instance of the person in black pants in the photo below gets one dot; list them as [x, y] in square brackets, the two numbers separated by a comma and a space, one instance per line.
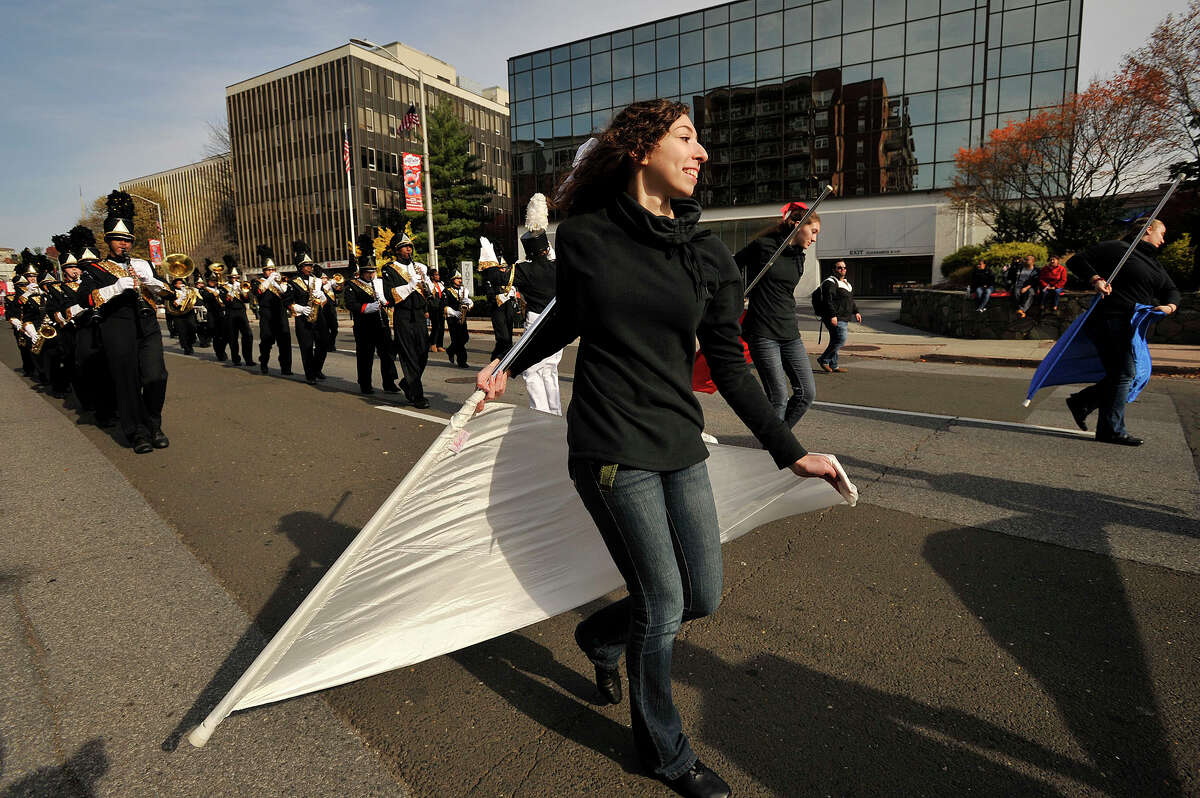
[437, 312]
[93, 386]
[272, 325]
[122, 290]
[181, 308]
[303, 291]
[1141, 281]
[407, 288]
[496, 284]
[457, 303]
[214, 303]
[236, 295]
[365, 300]
[638, 281]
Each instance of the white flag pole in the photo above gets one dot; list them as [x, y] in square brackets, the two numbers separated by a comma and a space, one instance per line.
[349, 191]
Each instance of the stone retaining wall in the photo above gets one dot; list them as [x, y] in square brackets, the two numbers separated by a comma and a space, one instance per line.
[952, 314]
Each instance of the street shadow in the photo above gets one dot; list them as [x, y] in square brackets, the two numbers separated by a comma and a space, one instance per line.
[319, 541]
[1072, 628]
[512, 667]
[75, 778]
[803, 732]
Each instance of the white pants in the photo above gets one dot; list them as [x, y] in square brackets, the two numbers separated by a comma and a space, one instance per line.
[541, 379]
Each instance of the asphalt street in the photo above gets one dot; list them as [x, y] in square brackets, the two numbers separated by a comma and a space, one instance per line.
[1011, 609]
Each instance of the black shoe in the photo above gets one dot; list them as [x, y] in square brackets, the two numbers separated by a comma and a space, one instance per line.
[699, 782]
[141, 445]
[421, 403]
[391, 388]
[321, 375]
[367, 390]
[250, 363]
[187, 351]
[1121, 440]
[608, 682]
[159, 440]
[286, 373]
[311, 380]
[262, 369]
[237, 362]
[1078, 412]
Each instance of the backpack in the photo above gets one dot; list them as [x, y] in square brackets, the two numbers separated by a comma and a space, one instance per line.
[819, 305]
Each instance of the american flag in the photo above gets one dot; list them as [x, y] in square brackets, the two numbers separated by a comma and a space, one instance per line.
[346, 153]
[410, 119]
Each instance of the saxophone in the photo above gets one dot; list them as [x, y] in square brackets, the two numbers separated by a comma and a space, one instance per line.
[45, 333]
[316, 300]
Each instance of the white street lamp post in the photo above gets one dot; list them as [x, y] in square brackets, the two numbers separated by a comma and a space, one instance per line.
[162, 235]
[375, 48]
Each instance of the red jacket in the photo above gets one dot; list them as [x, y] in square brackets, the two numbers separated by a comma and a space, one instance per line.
[1053, 276]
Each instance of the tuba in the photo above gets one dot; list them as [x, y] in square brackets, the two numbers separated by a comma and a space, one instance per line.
[178, 266]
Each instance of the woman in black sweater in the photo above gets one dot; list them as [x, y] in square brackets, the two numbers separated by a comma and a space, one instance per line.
[637, 283]
[770, 323]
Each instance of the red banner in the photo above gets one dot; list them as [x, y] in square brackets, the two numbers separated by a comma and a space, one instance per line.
[156, 251]
[413, 196]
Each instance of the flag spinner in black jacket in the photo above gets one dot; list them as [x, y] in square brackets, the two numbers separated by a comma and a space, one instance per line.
[535, 280]
[837, 307]
[1142, 281]
[637, 282]
[769, 326]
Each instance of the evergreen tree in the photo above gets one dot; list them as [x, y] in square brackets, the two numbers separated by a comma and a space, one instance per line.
[458, 196]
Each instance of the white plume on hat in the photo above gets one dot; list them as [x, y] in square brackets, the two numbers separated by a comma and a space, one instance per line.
[537, 214]
[487, 254]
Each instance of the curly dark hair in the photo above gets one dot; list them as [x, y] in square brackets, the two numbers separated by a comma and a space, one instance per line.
[607, 167]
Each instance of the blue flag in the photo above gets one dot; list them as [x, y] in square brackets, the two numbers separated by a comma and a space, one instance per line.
[1073, 359]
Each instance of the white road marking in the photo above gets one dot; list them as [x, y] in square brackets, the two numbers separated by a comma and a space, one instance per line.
[958, 419]
[402, 411]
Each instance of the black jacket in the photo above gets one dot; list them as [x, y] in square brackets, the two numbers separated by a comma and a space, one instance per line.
[982, 278]
[772, 311]
[1141, 281]
[535, 281]
[836, 300]
[637, 290]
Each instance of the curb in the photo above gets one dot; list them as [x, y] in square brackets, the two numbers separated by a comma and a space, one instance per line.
[1163, 370]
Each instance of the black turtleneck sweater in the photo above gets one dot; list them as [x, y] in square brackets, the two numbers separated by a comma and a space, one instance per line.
[637, 290]
[1141, 281]
[772, 311]
[535, 281]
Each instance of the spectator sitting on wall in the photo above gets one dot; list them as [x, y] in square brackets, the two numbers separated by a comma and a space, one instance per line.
[983, 282]
[1051, 281]
[1024, 284]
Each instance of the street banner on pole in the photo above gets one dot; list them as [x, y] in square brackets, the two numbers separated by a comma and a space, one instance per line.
[413, 196]
[156, 251]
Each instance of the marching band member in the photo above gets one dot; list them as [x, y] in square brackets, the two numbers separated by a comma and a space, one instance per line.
[26, 286]
[329, 315]
[272, 328]
[93, 383]
[366, 299]
[305, 296]
[236, 295]
[457, 304]
[48, 356]
[33, 312]
[181, 307]
[63, 375]
[407, 288]
[436, 314]
[214, 303]
[121, 290]
[535, 280]
[498, 285]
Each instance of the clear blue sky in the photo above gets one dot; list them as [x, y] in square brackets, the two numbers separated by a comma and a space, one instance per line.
[96, 93]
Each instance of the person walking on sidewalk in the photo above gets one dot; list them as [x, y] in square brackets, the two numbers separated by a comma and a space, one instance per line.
[1142, 281]
[769, 325]
[837, 299]
[981, 286]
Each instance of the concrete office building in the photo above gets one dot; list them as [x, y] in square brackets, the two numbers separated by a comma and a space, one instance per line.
[286, 130]
[197, 206]
[871, 96]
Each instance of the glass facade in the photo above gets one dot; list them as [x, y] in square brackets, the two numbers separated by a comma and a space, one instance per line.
[871, 96]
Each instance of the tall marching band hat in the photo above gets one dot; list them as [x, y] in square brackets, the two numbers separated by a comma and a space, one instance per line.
[266, 256]
[301, 253]
[83, 244]
[21, 280]
[231, 265]
[537, 219]
[46, 272]
[119, 222]
[487, 254]
[208, 270]
[364, 251]
[62, 243]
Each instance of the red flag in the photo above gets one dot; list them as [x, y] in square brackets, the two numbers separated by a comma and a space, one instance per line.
[346, 153]
[702, 377]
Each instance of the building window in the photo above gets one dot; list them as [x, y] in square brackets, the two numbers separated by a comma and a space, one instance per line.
[822, 119]
[858, 148]
[821, 166]
[366, 79]
[391, 130]
[369, 118]
[374, 195]
[497, 154]
[821, 142]
[391, 88]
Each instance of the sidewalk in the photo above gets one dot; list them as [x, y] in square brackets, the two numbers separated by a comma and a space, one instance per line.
[109, 629]
[880, 336]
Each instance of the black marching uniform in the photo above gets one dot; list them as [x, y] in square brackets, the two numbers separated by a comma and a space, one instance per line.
[183, 312]
[93, 385]
[503, 310]
[456, 304]
[237, 324]
[437, 313]
[372, 335]
[33, 311]
[272, 323]
[214, 306]
[408, 318]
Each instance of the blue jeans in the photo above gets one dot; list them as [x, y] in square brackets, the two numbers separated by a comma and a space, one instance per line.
[981, 295]
[1113, 337]
[1050, 296]
[782, 364]
[661, 530]
[837, 337]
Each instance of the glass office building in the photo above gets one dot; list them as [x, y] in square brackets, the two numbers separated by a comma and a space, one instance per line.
[871, 96]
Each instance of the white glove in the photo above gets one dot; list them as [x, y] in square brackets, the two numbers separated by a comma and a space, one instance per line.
[74, 310]
[109, 291]
[468, 303]
[301, 310]
[371, 307]
[16, 323]
[58, 317]
[31, 331]
[181, 294]
[454, 314]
